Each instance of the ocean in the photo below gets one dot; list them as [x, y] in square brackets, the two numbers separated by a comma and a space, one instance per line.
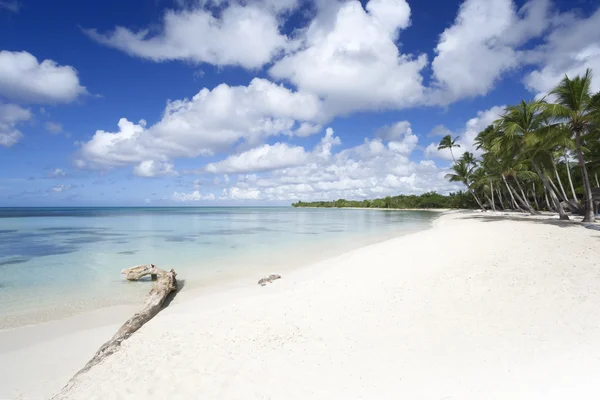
[56, 262]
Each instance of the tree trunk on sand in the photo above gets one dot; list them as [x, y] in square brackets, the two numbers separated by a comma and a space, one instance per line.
[544, 178]
[166, 283]
[500, 198]
[525, 201]
[550, 207]
[587, 200]
[537, 205]
[573, 207]
[569, 176]
[492, 191]
[476, 198]
[562, 188]
[512, 197]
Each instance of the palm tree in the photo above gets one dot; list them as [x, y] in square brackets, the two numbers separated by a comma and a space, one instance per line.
[578, 108]
[463, 173]
[448, 143]
[524, 129]
[469, 158]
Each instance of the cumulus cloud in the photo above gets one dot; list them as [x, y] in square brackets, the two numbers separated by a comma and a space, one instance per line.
[151, 168]
[571, 48]
[24, 79]
[482, 44]
[261, 158]
[194, 196]
[246, 35]
[375, 168]
[211, 121]
[10, 116]
[61, 188]
[467, 135]
[398, 130]
[349, 57]
[53, 127]
[57, 173]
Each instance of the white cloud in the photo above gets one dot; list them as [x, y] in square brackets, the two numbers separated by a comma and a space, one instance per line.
[440, 130]
[211, 121]
[53, 127]
[151, 168]
[571, 48]
[236, 193]
[24, 79]
[349, 57]
[396, 131]
[61, 188]
[376, 168]
[10, 116]
[58, 172]
[482, 44]
[276, 156]
[261, 158]
[467, 135]
[194, 196]
[245, 35]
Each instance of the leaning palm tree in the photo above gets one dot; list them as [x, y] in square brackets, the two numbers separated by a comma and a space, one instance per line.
[523, 127]
[578, 108]
[463, 173]
[448, 143]
[469, 158]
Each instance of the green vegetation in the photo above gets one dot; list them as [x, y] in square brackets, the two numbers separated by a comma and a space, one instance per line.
[539, 155]
[426, 200]
[533, 149]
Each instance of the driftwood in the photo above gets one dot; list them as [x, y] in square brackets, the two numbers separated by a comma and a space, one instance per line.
[166, 283]
[268, 279]
[135, 273]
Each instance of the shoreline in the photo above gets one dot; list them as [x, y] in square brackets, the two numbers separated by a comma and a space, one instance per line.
[227, 272]
[426, 293]
[441, 210]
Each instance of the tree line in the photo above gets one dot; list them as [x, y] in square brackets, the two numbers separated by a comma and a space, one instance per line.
[539, 155]
[459, 199]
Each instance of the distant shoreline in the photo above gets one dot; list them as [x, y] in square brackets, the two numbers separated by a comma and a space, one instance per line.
[387, 209]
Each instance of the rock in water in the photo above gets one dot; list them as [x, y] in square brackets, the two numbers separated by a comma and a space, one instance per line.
[268, 279]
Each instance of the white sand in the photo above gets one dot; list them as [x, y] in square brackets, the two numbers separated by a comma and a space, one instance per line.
[475, 308]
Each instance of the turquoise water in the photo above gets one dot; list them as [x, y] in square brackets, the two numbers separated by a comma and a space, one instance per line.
[60, 261]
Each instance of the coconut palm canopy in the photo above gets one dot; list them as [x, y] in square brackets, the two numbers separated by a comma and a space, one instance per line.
[539, 155]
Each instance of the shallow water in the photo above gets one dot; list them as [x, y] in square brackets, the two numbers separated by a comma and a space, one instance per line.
[59, 261]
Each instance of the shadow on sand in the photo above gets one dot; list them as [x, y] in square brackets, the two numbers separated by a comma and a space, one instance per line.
[172, 295]
[543, 219]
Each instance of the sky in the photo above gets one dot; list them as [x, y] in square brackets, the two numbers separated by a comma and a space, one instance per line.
[265, 102]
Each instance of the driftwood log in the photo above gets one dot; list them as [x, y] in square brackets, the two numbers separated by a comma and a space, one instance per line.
[166, 282]
[268, 279]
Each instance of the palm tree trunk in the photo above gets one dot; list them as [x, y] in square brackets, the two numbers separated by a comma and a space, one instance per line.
[550, 207]
[569, 176]
[492, 191]
[558, 180]
[537, 205]
[544, 178]
[476, 198]
[597, 184]
[500, 198]
[523, 199]
[452, 154]
[514, 202]
[574, 208]
[589, 215]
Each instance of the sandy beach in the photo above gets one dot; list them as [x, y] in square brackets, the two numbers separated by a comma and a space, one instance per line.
[480, 306]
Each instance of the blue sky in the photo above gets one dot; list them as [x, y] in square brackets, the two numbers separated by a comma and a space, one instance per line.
[264, 101]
